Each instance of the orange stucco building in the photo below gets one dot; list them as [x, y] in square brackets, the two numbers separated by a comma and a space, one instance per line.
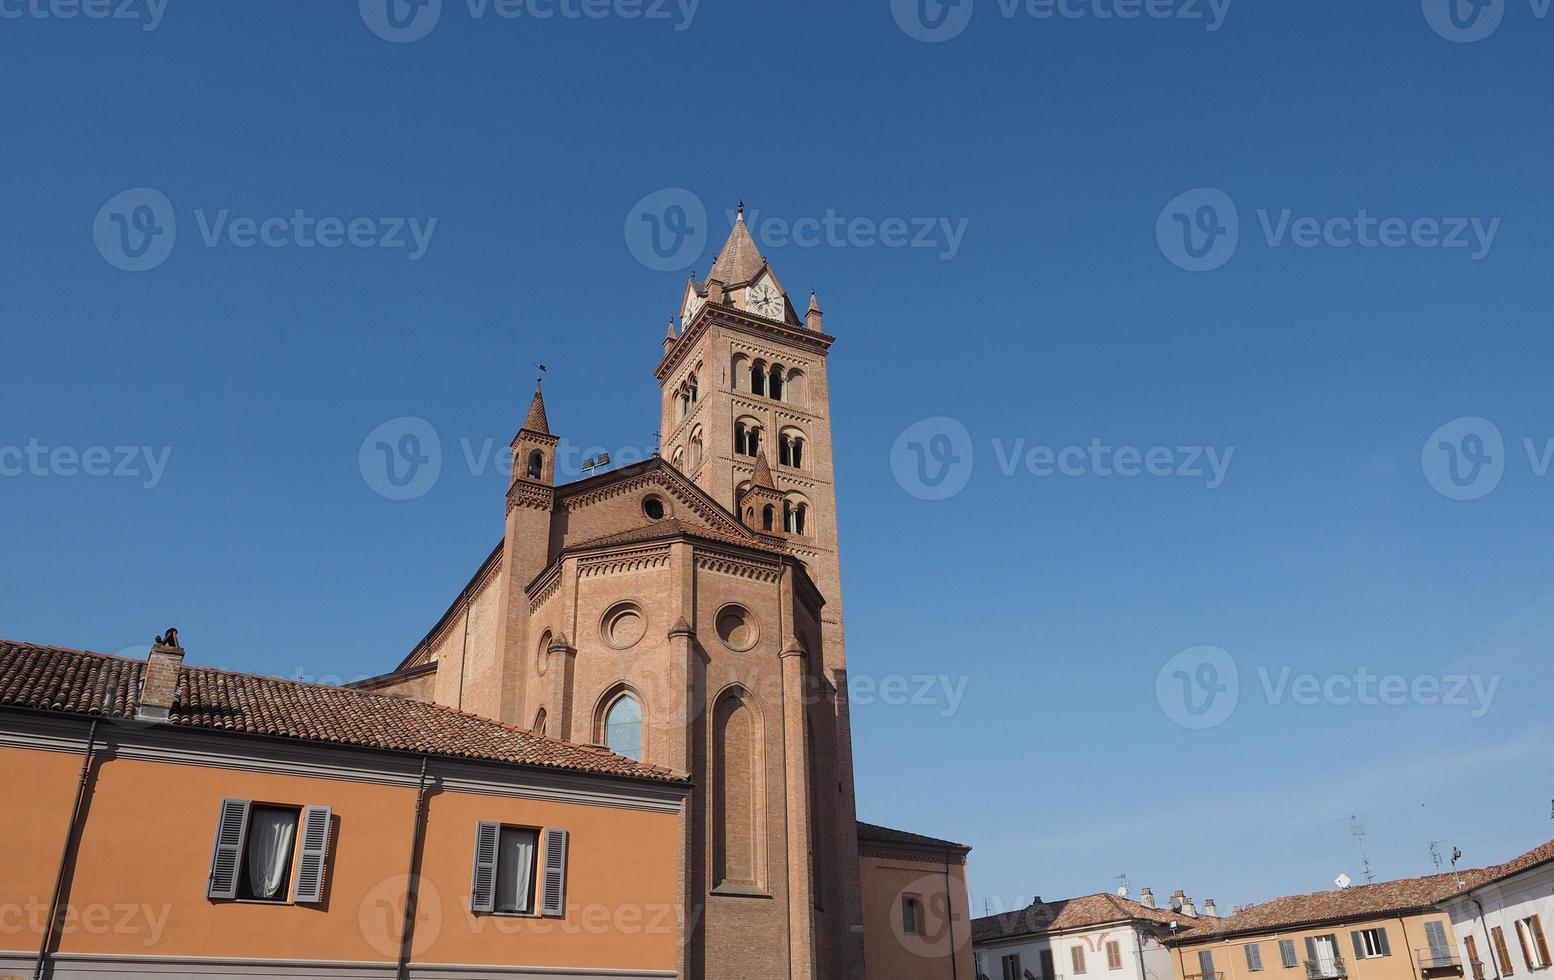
[141, 889]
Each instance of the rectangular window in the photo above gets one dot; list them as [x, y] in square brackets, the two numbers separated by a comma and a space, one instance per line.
[1206, 962]
[1287, 958]
[1076, 954]
[266, 868]
[1113, 955]
[1254, 957]
[269, 852]
[1535, 949]
[1502, 954]
[1049, 970]
[1473, 959]
[1440, 949]
[1370, 944]
[912, 915]
[1012, 967]
[515, 869]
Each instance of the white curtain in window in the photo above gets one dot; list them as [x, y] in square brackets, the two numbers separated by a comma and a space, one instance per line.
[270, 833]
[515, 870]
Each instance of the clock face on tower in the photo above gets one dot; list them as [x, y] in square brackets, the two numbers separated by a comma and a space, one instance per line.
[766, 301]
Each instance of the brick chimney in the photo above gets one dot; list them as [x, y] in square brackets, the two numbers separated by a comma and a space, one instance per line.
[1178, 897]
[161, 678]
[1188, 908]
[1147, 897]
[1209, 909]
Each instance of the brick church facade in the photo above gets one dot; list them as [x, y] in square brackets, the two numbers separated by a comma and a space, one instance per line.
[686, 611]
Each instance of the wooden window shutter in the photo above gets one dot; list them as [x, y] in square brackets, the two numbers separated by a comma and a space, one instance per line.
[1502, 954]
[1359, 944]
[313, 859]
[1521, 937]
[553, 899]
[482, 889]
[1311, 949]
[226, 858]
[1538, 938]
[1384, 948]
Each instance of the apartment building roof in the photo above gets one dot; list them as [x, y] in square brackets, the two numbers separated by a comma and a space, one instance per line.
[76, 682]
[1542, 854]
[1074, 913]
[1384, 898]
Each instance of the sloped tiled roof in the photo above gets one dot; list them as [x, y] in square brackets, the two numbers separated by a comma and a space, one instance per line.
[77, 682]
[740, 259]
[1073, 913]
[1542, 854]
[536, 421]
[1339, 904]
[874, 833]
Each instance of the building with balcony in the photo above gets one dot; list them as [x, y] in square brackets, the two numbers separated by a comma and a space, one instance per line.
[1500, 915]
[1386, 931]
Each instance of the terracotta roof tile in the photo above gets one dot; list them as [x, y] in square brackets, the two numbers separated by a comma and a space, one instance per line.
[1073, 913]
[76, 682]
[1339, 904]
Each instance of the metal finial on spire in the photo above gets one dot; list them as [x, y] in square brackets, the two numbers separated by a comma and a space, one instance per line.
[741, 215]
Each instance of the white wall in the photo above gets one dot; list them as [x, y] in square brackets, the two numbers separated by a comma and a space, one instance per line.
[1531, 892]
[1156, 960]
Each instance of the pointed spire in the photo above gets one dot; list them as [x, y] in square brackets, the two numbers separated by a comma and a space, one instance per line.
[670, 334]
[763, 472]
[814, 319]
[740, 261]
[536, 421]
[814, 301]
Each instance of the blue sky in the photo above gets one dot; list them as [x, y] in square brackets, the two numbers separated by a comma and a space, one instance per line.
[1059, 149]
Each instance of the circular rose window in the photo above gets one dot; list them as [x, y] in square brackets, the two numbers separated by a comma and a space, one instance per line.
[737, 628]
[623, 625]
[542, 656]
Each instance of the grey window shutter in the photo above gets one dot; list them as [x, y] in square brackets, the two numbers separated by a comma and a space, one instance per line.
[482, 889]
[314, 857]
[1359, 944]
[227, 856]
[1386, 947]
[1311, 949]
[553, 900]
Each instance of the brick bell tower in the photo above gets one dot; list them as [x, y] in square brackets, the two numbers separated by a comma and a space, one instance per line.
[746, 416]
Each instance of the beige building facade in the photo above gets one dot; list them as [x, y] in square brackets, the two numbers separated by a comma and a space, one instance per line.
[1385, 931]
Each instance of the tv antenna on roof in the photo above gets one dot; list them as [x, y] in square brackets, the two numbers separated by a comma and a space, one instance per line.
[1357, 831]
[1435, 845]
[1122, 884]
